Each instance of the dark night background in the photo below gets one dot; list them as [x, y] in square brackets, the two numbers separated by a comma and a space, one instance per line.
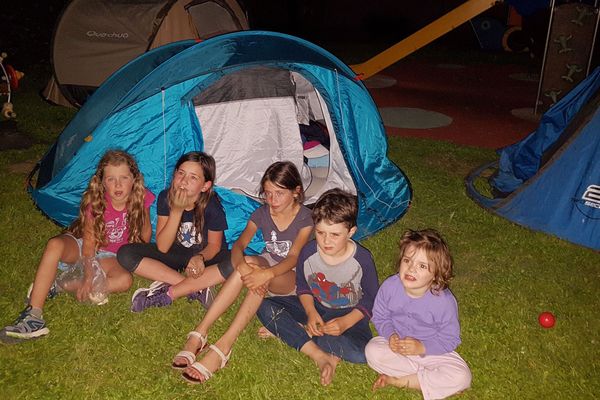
[351, 29]
[26, 27]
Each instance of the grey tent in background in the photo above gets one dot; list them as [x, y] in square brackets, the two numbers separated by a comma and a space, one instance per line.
[94, 38]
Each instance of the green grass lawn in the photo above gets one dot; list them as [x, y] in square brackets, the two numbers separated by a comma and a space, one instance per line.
[505, 276]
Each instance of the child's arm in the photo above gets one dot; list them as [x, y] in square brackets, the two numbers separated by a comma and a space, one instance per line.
[237, 250]
[147, 228]
[167, 226]
[368, 284]
[447, 338]
[314, 323]
[196, 265]
[259, 277]
[382, 315]
[88, 252]
[337, 326]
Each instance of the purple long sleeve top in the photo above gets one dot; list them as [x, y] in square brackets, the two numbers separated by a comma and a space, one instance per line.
[432, 319]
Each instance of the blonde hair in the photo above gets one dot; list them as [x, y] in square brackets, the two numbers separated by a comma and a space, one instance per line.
[93, 202]
[438, 255]
[209, 170]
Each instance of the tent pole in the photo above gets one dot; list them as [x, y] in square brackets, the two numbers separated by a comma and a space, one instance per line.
[589, 66]
[539, 93]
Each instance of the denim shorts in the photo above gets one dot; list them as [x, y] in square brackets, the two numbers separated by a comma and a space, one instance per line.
[99, 255]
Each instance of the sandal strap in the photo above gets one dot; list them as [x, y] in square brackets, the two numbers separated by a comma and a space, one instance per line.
[201, 370]
[224, 358]
[188, 355]
[198, 335]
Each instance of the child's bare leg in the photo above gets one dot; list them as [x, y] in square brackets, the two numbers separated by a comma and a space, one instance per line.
[404, 382]
[326, 362]
[60, 248]
[117, 278]
[210, 277]
[150, 268]
[283, 284]
[247, 310]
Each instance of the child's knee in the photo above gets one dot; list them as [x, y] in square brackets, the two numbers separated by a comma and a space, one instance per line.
[55, 245]
[375, 347]
[128, 258]
[126, 281]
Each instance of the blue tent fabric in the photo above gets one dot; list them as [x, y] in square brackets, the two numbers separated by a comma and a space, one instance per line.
[562, 196]
[146, 109]
[521, 161]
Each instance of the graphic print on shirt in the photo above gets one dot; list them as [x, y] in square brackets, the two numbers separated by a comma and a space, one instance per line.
[280, 248]
[186, 235]
[116, 228]
[330, 293]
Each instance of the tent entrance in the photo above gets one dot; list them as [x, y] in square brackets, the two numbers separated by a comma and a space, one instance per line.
[254, 117]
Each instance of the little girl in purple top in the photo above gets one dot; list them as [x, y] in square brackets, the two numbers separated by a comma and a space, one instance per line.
[417, 317]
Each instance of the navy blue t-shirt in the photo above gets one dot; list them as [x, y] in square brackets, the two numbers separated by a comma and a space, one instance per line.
[214, 220]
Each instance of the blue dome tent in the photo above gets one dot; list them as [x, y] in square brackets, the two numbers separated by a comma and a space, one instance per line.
[244, 98]
[550, 180]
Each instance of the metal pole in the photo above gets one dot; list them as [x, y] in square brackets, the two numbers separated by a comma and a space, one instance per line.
[537, 99]
[589, 66]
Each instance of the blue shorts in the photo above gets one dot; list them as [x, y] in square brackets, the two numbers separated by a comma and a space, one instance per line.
[99, 255]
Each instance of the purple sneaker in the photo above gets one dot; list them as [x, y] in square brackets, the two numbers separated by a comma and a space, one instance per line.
[143, 300]
[155, 287]
[205, 297]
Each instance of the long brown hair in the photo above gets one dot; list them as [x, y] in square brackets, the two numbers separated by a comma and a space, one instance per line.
[209, 169]
[93, 202]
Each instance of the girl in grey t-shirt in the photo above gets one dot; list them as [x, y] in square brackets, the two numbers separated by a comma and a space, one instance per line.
[286, 226]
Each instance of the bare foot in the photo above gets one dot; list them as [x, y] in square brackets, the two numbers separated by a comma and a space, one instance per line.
[264, 333]
[327, 366]
[403, 382]
[380, 382]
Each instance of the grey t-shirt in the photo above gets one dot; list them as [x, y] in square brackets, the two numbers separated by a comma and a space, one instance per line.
[278, 243]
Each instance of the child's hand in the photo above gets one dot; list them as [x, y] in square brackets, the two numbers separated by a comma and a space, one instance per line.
[83, 292]
[407, 346]
[257, 278]
[180, 199]
[260, 291]
[195, 266]
[334, 327]
[394, 343]
[315, 324]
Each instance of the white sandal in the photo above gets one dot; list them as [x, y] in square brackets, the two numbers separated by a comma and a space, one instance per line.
[188, 355]
[201, 369]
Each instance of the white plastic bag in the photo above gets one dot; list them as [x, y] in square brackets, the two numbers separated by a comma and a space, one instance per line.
[85, 268]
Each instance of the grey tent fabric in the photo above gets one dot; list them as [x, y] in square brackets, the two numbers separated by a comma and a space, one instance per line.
[94, 38]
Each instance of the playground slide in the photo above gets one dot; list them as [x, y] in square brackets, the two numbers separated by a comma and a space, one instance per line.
[422, 37]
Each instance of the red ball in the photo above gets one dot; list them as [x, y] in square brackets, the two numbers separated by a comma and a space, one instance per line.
[546, 319]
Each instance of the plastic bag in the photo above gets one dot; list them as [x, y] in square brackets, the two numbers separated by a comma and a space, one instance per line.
[73, 277]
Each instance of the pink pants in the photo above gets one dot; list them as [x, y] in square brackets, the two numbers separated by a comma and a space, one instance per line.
[439, 376]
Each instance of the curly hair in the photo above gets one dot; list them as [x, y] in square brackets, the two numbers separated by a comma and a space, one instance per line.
[438, 255]
[285, 175]
[209, 170]
[337, 207]
[93, 202]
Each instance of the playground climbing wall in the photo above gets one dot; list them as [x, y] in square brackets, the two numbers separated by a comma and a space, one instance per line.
[568, 51]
